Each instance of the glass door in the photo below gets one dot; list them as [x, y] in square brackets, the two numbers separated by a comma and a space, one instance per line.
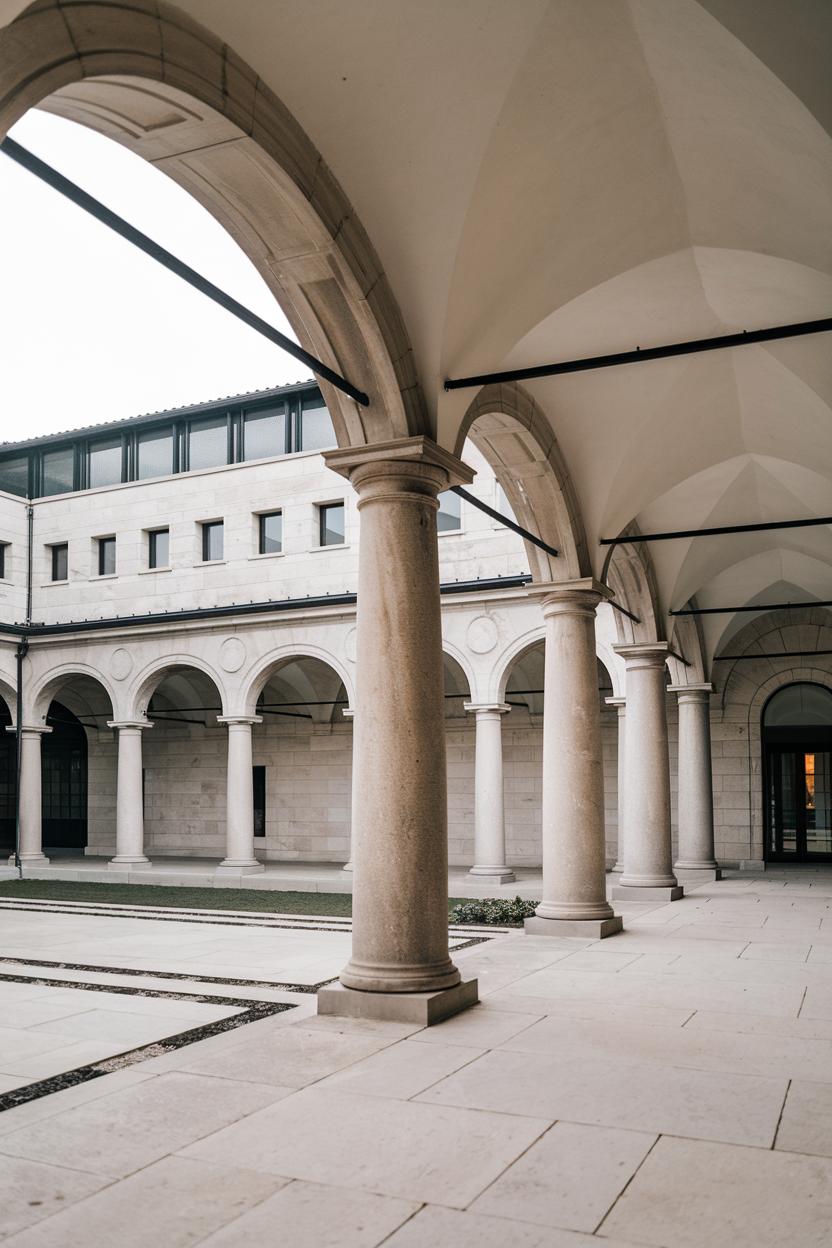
[799, 804]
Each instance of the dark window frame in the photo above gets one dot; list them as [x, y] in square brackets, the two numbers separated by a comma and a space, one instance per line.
[4, 546]
[105, 546]
[207, 527]
[152, 554]
[323, 510]
[54, 557]
[262, 517]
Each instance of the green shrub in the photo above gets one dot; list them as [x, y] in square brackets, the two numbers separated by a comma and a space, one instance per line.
[495, 911]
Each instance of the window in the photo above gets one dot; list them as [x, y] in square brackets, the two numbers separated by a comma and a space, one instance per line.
[208, 443]
[60, 561]
[104, 462]
[212, 540]
[270, 529]
[58, 476]
[155, 457]
[3, 548]
[106, 556]
[331, 518]
[450, 512]
[264, 433]
[158, 548]
[258, 779]
[316, 431]
[14, 476]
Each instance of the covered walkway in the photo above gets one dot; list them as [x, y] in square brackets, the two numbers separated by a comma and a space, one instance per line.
[672, 1087]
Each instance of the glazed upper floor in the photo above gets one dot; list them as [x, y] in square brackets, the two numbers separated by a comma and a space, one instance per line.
[241, 509]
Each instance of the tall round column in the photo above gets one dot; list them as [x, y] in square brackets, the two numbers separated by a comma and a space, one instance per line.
[399, 809]
[574, 854]
[696, 791]
[621, 705]
[648, 870]
[349, 714]
[489, 805]
[129, 795]
[31, 824]
[239, 819]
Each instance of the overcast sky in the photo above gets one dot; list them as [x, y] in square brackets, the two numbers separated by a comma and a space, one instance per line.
[90, 328]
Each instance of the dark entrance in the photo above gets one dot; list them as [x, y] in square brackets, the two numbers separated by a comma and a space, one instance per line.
[797, 745]
[8, 779]
[64, 766]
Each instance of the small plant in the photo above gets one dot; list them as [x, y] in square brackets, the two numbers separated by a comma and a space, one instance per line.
[494, 911]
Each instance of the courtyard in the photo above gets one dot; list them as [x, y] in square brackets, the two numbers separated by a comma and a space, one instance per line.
[670, 1087]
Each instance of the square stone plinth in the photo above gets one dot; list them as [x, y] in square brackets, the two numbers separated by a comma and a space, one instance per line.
[626, 892]
[592, 929]
[423, 1008]
[697, 875]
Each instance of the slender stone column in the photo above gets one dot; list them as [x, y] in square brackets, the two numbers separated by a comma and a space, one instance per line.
[696, 790]
[489, 806]
[239, 820]
[349, 714]
[400, 966]
[574, 854]
[31, 825]
[621, 705]
[129, 796]
[648, 871]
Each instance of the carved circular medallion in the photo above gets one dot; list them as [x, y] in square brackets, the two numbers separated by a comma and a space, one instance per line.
[482, 634]
[121, 664]
[232, 654]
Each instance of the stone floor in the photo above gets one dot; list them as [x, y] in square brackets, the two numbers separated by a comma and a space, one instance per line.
[670, 1086]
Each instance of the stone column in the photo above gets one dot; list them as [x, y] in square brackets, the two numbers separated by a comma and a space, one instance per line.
[621, 705]
[648, 871]
[574, 853]
[489, 808]
[129, 796]
[31, 802]
[239, 819]
[696, 791]
[349, 714]
[400, 966]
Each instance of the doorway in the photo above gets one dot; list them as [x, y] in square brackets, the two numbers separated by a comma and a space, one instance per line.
[797, 744]
[64, 783]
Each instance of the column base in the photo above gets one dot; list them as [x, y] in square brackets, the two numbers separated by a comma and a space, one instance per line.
[495, 875]
[33, 860]
[697, 874]
[128, 860]
[592, 929]
[658, 894]
[239, 866]
[422, 1008]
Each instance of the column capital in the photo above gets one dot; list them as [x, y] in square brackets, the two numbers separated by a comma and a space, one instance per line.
[486, 708]
[126, 724]
[239, 719]
[644, 653]
[583, 593]
[30, 730]
[399, 457]
[695, 693]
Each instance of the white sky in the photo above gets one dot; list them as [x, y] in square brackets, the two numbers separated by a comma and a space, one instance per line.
[91, 329]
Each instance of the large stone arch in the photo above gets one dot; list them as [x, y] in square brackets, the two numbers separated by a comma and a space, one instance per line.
[151, 676]
[257, 676]
[56, 681]
[512, 432]
[146, 75]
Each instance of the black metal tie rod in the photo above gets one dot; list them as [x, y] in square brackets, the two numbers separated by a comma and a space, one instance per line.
[725, 528]
[720, 343]
[773, 654]
[764, 606]
[123, 228]
[509, 524]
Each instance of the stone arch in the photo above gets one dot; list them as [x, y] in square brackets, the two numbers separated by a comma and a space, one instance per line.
[258, 675]
[151, 676]
[629, 573]
[8, 695]
[151, 78]
[509, 428]
[84, 701]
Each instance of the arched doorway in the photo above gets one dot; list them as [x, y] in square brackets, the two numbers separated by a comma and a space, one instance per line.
[797, 754]
[64, 780]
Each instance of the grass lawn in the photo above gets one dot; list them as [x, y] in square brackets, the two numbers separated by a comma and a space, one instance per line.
[263, 901]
